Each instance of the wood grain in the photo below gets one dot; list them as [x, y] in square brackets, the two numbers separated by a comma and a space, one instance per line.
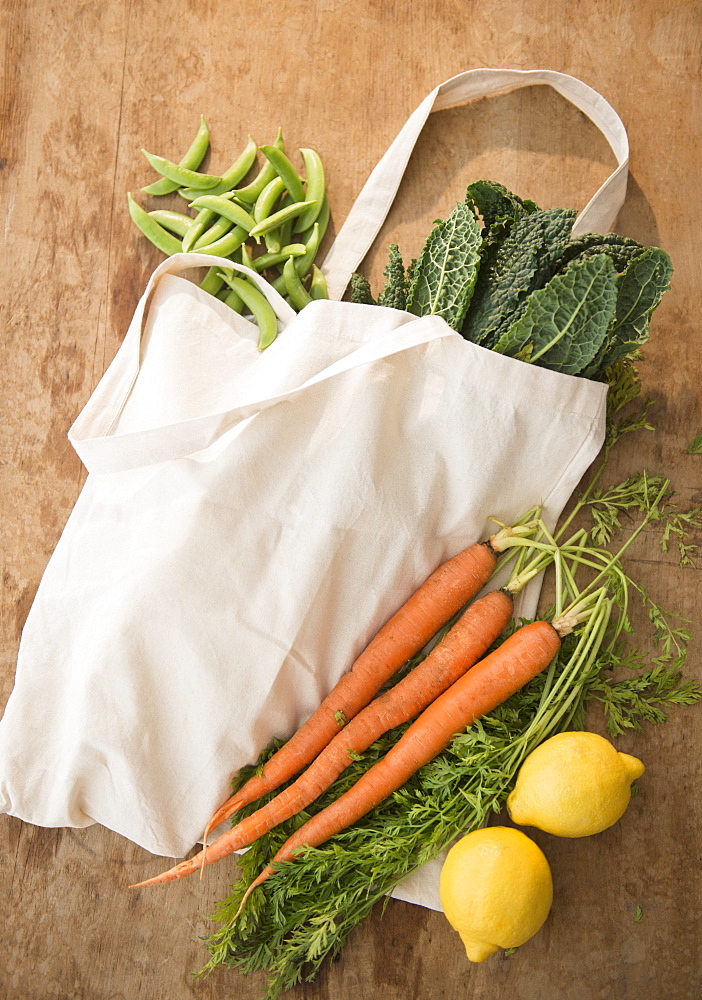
[85, 85]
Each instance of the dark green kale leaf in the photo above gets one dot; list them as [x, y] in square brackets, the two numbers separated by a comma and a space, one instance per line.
[620, 249]
[443, 279]
[394, 294]
[496, 206]
[639, 290]
[499, 210]
[361, 290]
[523, 262]
[564, 324]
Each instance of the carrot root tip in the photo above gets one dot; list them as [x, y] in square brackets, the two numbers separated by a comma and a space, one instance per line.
[256, 882]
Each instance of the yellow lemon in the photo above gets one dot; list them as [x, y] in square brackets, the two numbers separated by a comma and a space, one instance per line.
[496, 890]
[573, 785]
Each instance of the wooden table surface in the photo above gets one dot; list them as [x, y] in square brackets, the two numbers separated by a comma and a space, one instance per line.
[85, 86]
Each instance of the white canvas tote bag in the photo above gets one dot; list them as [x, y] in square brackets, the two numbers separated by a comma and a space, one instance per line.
[250, 520]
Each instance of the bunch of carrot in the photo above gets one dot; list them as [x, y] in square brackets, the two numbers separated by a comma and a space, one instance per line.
[455, 683]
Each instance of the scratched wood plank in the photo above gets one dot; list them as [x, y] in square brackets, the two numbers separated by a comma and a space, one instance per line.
[85, 86]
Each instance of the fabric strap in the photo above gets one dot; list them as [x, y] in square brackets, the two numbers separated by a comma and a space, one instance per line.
[370, 209]
[179, 262]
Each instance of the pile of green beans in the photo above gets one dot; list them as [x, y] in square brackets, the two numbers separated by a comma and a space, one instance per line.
[274, 223]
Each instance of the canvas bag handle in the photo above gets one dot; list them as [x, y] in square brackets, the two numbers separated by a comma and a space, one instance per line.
[101, 450]
[91, 431]
[370, 209]
[179, 262]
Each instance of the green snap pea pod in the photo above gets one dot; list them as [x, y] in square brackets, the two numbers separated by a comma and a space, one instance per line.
[322, 221]
[311, 241]
[245, 257]
[318, 284]
[202, 220]
[264, 206]
[260, 308]
[213, 281]
[266, 260]
[273, 241]
[306, 260]
[226, 246]
[265, 203]
[216, 231]
[303, 261]
[286, 171]
[302, 266]
[192, 160]
[266, 174]
[231, 298]
[297, 292]
[182, 175]
[280, 286]
[278, 218]
[174, 222]
[231, 177]
[226, 207]
[285, 232]
[234, 300]
[152, 230]
[314, 188]
[240, 167]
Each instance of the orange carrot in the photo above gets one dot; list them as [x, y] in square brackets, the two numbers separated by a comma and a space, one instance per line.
[444, 593]
[461, 647]
[490, 682]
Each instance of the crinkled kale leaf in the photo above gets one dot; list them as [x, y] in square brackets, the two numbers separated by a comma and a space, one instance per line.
[394, 294]
[444, 276]
[564, 325]
[523, 261]
[640, 288]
